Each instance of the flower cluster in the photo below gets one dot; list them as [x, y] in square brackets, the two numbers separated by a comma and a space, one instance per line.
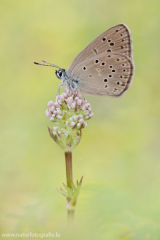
[69, 112]
[71, 108]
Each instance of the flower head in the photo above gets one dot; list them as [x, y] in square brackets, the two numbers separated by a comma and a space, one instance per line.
[70, 113]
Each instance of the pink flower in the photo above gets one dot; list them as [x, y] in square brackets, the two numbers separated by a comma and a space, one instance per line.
[48, 113]
[62, 98]
[73, 105]
[56, 105]
[59, 112]
[91, 115]
[84, 101]
[69, 100]
[88, 105]
[52, 109]
[81, 121]
[79, 95]
[70, 113]
[66, 90]
[57, 97]
[50, 104]
[79, 101]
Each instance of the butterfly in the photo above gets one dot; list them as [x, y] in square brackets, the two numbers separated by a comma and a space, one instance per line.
[105, 67]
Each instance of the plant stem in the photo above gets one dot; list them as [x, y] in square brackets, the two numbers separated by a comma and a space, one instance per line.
[69, 179]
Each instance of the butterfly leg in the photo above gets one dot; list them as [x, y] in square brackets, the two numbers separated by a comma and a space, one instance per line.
[76, 88]
[61, 85]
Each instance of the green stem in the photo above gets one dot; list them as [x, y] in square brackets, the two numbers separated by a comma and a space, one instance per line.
[69, 179]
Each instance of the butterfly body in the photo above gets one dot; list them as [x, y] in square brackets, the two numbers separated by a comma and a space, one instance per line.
[105, 67]
[66, 79]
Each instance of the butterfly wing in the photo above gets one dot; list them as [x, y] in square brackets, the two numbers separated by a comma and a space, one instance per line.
[116, 39]
[104, 74]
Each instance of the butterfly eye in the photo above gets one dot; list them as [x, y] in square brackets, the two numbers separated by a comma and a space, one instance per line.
[84, 68]
[113, 70]
[60, 73]
[105, 80]
[108, 50]
[109, 75]
[103, 63]
[103, 39]
[110, 66]
[96, 61]
[111, 44]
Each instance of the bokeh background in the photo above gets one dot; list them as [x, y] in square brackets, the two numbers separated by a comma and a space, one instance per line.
[119, 154]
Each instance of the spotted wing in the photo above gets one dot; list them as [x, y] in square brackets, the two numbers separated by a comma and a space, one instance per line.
[104, 74]
[115, 40]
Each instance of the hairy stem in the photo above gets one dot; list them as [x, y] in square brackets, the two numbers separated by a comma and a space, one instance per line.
[69, 179]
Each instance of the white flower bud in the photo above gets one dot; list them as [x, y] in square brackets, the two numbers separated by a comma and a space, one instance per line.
[60, 102]
[86, 112]
[64, 95]
[90, 115]
[66, 135]
[75, 117]
[78, 125]
[73, 105]
[73, 124]
[52, 109]
[81, 121]
[55, 128]
[52, 119]
[79, 101]
[85, 124]
[59, 116]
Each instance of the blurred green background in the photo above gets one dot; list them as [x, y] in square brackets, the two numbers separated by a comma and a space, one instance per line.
[119, 154]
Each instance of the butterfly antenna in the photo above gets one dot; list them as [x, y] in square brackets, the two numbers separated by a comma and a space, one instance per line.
[47, 64]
